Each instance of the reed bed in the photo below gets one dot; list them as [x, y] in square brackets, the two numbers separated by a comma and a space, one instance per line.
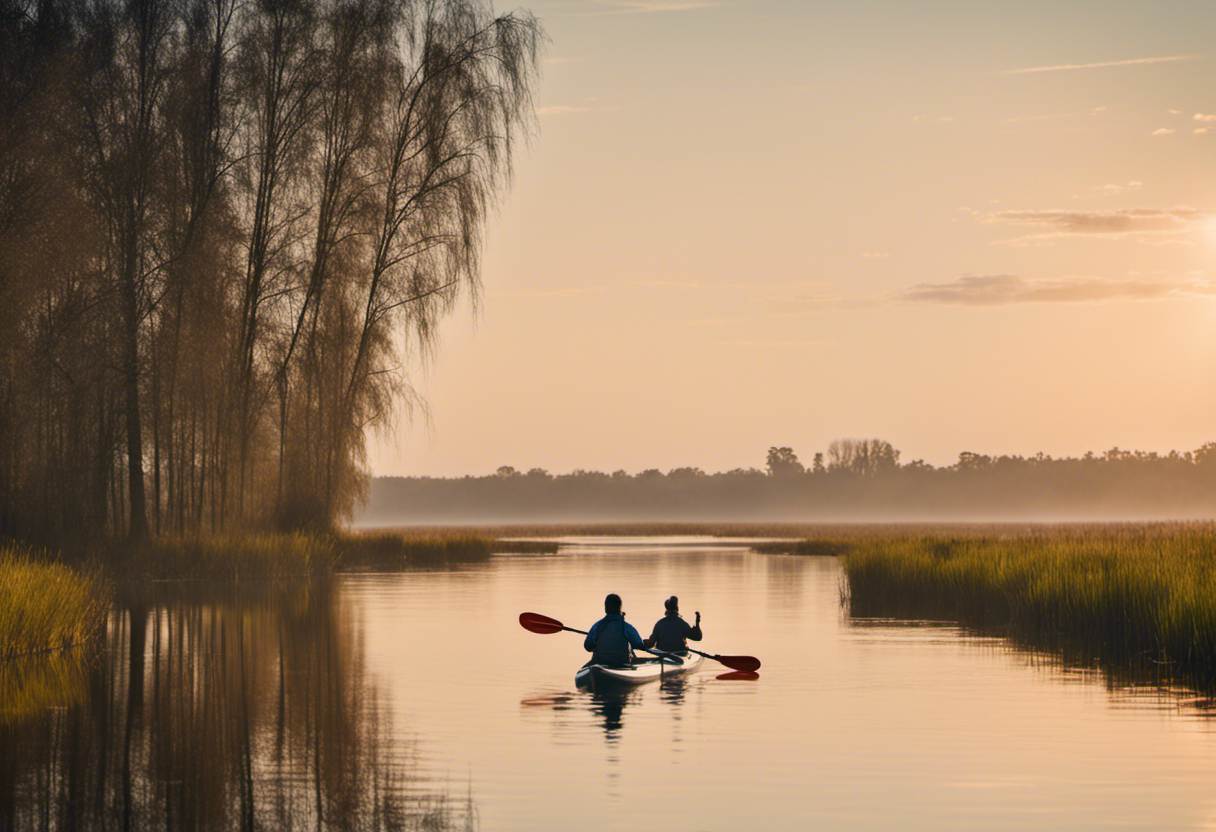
[235, 557]
[46, 606]
[397, 549]
[811, 547]
[273, 556]
[1119, 594]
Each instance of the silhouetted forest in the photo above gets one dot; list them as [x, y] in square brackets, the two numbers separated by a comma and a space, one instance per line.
[221, 223]
[853, 480]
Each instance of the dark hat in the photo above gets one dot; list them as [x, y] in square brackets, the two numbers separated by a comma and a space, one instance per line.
[672, 604]
[612, 603]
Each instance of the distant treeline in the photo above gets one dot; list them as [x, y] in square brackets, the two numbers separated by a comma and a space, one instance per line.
[220, 224]
[854, 480]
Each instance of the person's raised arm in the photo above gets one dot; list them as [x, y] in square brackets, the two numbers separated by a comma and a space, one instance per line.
[593, 636]
[694, 632]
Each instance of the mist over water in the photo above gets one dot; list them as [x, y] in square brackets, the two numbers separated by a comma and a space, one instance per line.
[1116, 486]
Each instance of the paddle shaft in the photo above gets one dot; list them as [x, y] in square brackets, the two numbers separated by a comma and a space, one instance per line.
[703, 654]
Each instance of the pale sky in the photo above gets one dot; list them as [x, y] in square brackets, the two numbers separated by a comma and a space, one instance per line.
[953, 225]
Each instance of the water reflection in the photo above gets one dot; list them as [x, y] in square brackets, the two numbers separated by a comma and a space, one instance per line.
[851, 727]
[607, 703]
[236, 714]
[1138, 680]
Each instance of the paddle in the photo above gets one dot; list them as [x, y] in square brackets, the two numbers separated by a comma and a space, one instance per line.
[534, 622]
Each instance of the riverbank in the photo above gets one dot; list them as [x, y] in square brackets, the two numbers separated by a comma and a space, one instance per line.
[52, 600]
[261, 556]
[1133, 597]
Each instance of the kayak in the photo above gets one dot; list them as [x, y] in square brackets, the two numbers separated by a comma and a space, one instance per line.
[641, 671]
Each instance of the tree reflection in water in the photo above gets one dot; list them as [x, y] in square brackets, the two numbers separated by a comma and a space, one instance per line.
[240, 713]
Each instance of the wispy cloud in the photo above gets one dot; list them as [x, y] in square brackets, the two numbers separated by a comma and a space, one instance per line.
[1007, 289]
[1119, 188]
[1159, 59]
[1164, 131]
[1054, 223]
[1204, 117]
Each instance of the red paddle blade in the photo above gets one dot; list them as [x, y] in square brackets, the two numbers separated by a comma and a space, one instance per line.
[739, 676]
[537, 623]
[745, 664]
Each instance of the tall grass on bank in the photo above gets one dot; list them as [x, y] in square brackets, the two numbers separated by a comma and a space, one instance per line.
[810, 547]
[395, 550]
[45, 606]
[235, 557]
[1132, 595]
[268, 556]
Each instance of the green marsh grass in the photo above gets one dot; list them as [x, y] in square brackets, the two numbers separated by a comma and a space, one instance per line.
[46, 606]
[1126, 595]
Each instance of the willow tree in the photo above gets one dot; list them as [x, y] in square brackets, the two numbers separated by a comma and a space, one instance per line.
[355, 46]
[457, 96]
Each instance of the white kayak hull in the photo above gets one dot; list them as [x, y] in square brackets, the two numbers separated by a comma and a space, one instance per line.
[641, 672]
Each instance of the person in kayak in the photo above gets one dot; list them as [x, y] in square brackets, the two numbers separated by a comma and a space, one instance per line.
[609, 641]
[671, 632]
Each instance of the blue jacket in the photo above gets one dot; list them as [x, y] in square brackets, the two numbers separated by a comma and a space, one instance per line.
[609, 639]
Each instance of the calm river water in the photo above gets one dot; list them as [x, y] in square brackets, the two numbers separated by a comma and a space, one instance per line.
[415, 700]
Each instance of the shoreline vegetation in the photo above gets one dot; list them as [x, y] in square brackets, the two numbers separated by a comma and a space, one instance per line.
[46, 606]
[1136, 600]
[53, 601]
